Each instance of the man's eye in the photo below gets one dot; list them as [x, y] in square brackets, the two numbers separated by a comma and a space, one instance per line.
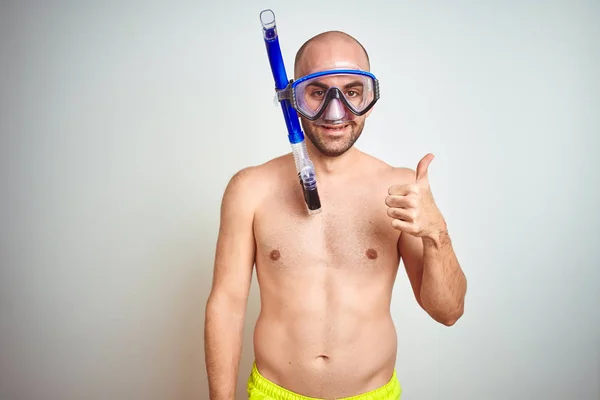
[352, 93]
[317, 93]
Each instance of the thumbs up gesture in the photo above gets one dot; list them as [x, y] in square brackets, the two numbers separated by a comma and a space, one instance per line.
[411, 206]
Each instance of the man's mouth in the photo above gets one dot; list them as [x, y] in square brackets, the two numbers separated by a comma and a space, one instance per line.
[334, 128]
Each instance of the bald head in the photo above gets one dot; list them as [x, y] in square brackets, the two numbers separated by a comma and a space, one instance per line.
[328, 50]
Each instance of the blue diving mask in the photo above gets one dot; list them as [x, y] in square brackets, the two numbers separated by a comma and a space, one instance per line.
[326, 95]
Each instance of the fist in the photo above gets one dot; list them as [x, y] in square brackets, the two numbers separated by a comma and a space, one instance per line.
[411, 206]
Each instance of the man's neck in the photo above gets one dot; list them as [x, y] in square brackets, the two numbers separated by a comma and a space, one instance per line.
[332, 166]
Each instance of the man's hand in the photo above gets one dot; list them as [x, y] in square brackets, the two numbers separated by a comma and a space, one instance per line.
[433, 269]
[412, 208]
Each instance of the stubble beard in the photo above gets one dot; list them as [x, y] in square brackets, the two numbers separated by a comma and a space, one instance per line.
[329, 146]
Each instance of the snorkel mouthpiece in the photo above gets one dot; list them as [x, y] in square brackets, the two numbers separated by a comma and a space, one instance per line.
[304, 167]
[267, 19]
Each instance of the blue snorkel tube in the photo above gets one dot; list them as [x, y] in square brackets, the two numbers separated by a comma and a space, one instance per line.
[304, 167]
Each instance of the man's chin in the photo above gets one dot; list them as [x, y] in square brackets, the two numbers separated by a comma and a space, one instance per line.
[331, 147]
[331, 140]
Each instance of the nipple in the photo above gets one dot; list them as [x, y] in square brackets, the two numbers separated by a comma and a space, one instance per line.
[372, 254]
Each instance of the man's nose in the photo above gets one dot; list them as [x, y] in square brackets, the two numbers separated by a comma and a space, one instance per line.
[335, 110]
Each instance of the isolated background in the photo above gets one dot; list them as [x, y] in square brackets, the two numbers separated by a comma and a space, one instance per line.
[121, 123]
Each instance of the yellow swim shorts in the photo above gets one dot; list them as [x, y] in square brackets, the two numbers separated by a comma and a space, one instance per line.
[260, 388]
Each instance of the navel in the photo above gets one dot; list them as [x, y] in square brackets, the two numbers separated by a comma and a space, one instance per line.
[275, 255]
[371, 254]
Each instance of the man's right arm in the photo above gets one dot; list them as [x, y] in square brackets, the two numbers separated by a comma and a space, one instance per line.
[226, 305]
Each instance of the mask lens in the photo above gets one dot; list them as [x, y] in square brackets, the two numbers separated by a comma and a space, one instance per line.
[357, 90]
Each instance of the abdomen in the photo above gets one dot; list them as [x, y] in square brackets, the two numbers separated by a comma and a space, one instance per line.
[329, 334]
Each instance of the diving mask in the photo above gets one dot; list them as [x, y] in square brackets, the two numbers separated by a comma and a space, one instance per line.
[326, 95]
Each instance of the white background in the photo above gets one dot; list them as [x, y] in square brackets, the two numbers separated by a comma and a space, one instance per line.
[121, 123]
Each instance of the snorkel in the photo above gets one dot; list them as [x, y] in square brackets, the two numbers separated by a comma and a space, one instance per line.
[304, 167]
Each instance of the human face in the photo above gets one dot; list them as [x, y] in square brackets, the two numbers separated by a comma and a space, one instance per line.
[328, 98]
[330, 134]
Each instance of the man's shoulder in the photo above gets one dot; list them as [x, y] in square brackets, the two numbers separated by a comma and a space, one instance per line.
[387, 171]
[256, 173]
[253, 180]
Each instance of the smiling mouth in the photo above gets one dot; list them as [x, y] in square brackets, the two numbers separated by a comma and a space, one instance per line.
[334, 128]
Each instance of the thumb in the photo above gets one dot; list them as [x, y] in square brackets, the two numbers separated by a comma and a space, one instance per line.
[422, 168]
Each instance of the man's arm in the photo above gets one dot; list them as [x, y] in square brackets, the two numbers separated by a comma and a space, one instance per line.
[436, 277]
[226, 305]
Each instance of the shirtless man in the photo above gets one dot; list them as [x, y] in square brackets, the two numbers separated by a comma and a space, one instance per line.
[325, 329]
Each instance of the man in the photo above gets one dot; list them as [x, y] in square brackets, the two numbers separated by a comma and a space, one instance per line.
[325, 329]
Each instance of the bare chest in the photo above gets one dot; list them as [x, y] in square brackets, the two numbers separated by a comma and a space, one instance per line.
[353, 231]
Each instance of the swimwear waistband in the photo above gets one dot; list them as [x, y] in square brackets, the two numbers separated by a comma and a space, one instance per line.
[260, 388]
